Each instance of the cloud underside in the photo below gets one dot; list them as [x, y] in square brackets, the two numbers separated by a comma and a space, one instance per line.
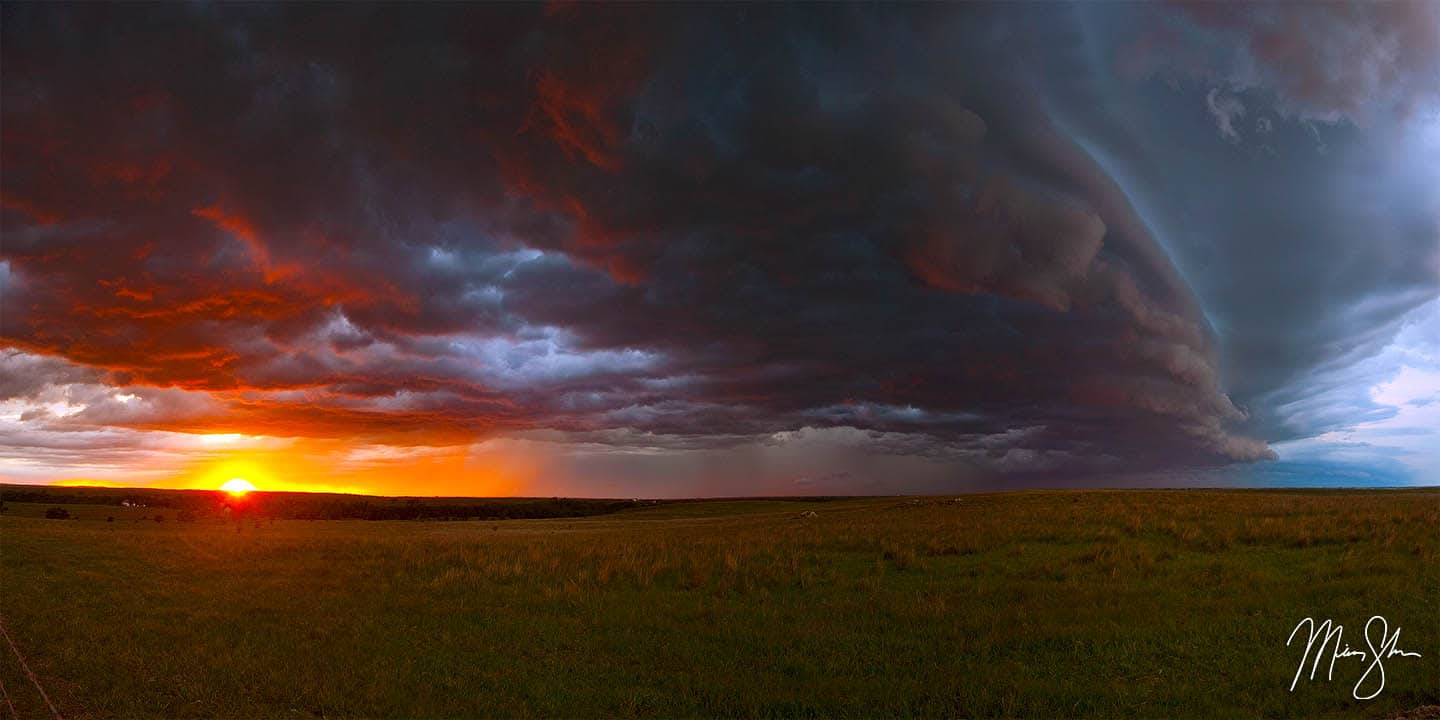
[636, 227]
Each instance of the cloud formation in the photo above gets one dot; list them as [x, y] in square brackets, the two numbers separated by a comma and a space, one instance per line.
[1362, 63]
[678, 228]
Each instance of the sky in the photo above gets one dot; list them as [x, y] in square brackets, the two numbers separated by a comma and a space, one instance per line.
[720, 250]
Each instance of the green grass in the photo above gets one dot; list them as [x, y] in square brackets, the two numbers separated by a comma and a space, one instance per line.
[1112, 604]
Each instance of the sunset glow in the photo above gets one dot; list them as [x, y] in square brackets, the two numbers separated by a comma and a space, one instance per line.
[237, 486]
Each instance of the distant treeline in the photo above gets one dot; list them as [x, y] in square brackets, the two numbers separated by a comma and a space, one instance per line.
[319, 506]
[194, 504]
[423, 509]
[104, 496]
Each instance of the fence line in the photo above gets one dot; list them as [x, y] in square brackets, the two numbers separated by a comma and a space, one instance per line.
[13, 712]
[26, 667]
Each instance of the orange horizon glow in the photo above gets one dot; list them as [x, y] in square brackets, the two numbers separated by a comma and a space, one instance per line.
[81, 484]
[87, 483]
[274, 464]
[170, 484]
[238, 487]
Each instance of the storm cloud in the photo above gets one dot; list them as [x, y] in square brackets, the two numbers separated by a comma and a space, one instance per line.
[996, 240]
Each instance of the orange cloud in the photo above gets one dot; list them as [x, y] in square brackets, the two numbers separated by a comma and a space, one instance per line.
[244, 230]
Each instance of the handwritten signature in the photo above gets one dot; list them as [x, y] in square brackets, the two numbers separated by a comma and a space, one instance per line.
[1327, 631]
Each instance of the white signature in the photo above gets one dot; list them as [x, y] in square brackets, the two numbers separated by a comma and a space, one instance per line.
[1326, 631]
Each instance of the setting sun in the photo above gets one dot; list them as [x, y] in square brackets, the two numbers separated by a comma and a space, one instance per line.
[237, 486]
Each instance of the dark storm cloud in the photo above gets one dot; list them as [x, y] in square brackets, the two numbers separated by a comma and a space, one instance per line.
[1360, 62]
[684, 227]
[1315, 228]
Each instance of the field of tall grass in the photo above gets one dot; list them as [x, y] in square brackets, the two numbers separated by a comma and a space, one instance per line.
[1034, 604]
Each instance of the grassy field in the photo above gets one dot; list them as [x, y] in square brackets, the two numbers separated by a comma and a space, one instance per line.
[1043, 604]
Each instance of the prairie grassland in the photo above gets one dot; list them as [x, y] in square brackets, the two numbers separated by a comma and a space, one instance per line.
[1036, 604]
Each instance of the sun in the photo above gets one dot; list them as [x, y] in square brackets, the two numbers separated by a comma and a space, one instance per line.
[237, 486]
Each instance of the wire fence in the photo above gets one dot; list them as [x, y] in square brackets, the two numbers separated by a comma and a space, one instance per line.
[25, 666]
[13, 712]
